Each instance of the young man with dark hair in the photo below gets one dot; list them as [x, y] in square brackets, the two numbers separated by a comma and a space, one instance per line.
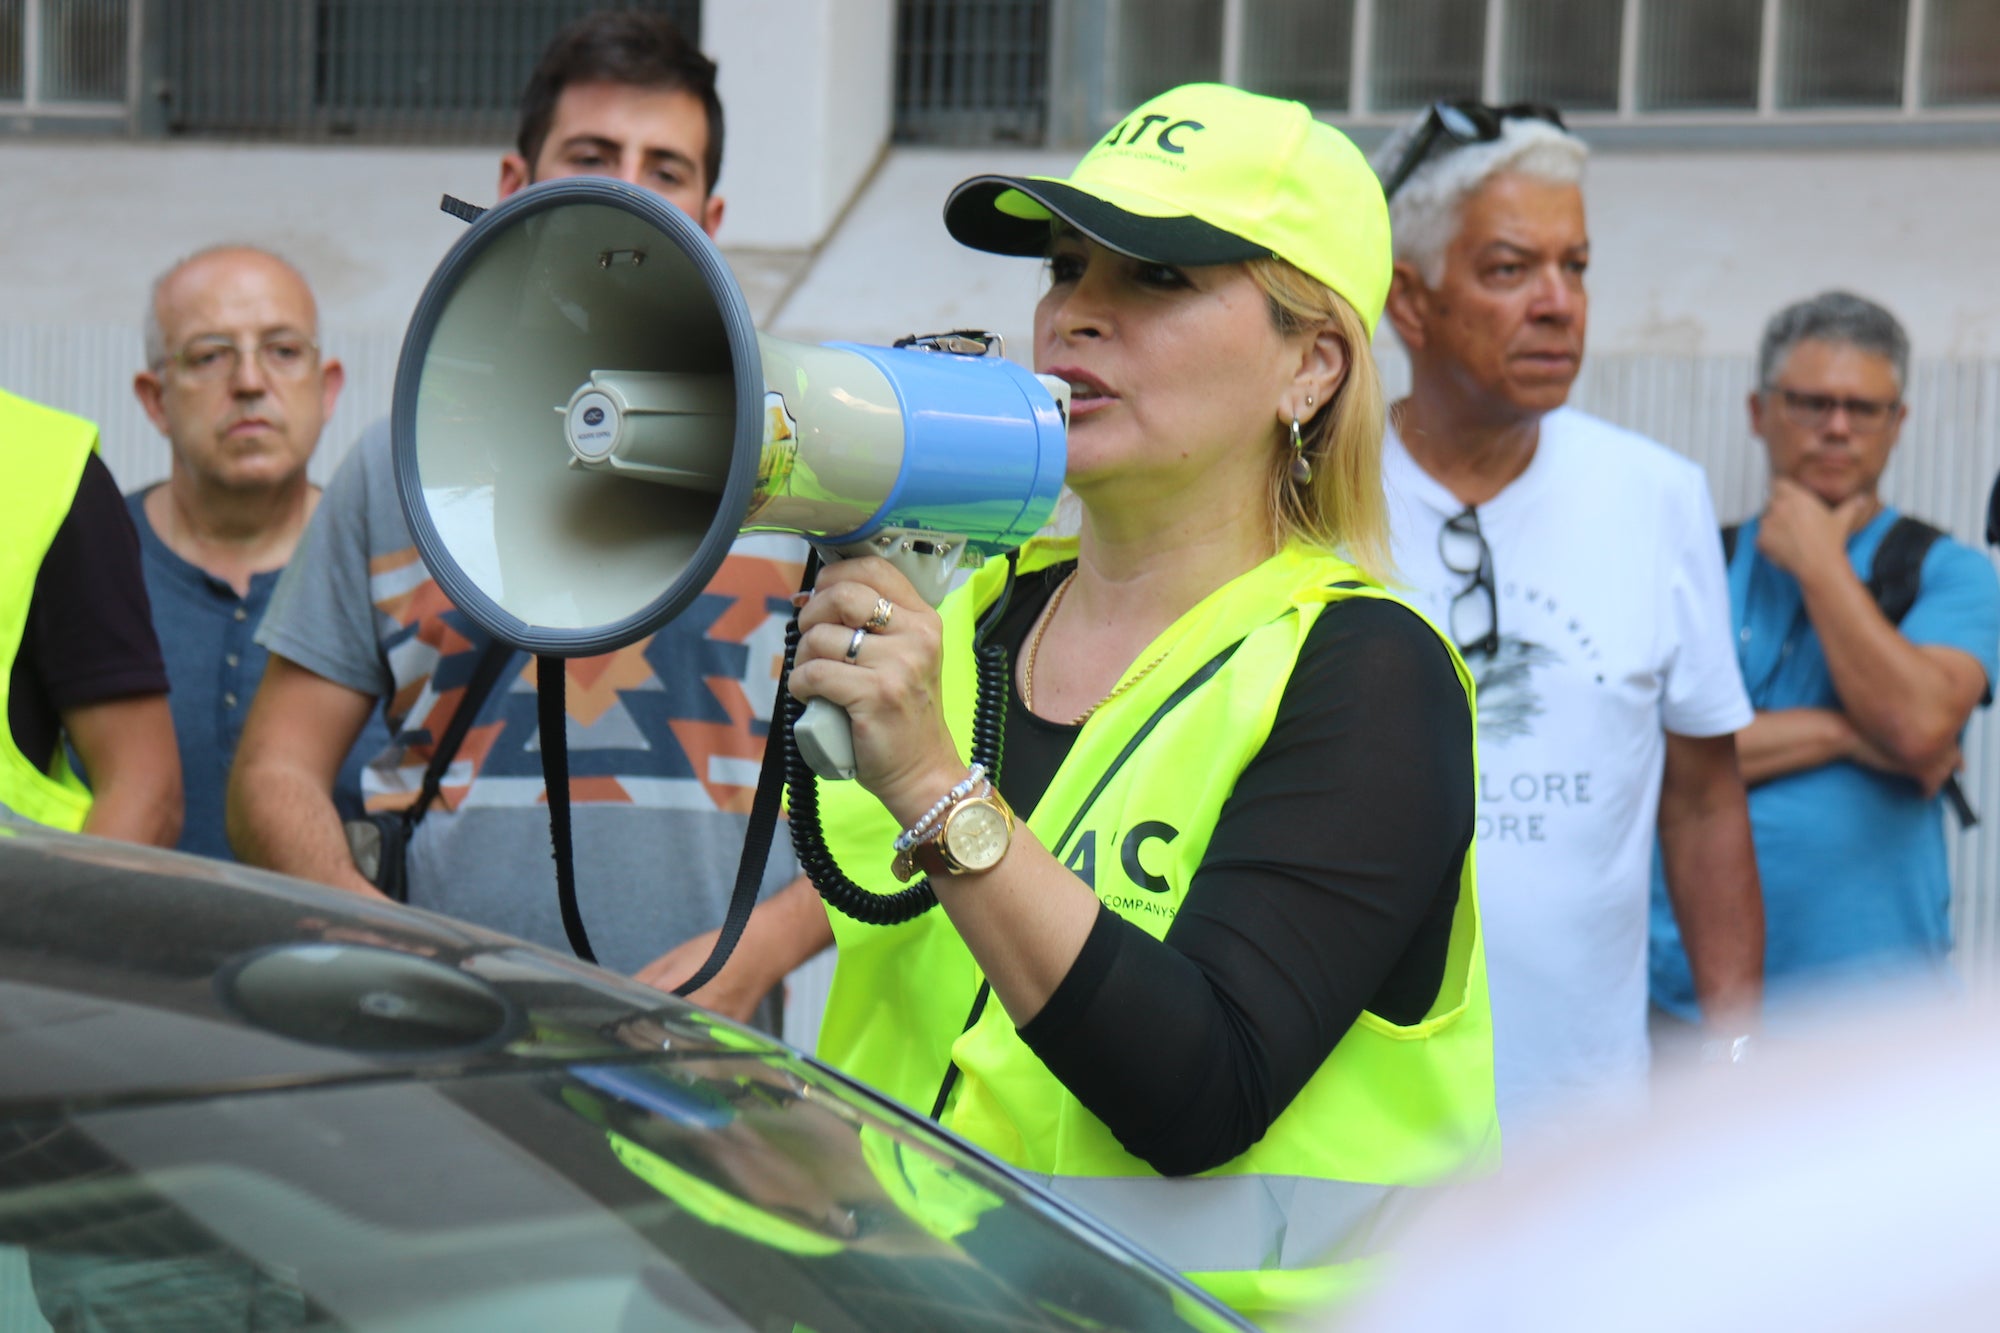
[666, 735]
[620, 53]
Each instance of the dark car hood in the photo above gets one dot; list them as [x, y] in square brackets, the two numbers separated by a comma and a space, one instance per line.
[131, 974]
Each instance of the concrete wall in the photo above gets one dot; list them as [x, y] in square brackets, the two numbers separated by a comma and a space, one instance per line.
[807, 87]
[85, 224]
[1691, 250]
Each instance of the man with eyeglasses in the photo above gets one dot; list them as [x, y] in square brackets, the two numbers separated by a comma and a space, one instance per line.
[237, 384]
[1861, 691]
[1576, 566]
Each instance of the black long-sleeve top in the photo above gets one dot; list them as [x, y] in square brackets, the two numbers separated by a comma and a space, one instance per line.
[1328, 888]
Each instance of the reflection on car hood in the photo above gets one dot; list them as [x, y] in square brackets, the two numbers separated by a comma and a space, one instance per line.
[129, 974]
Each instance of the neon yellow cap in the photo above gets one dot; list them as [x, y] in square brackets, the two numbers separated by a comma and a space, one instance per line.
[1204, 174]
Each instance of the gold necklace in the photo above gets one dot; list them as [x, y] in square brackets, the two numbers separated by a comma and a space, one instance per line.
[1035, 653]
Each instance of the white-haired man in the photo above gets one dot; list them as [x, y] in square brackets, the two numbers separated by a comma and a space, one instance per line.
[1866, 639]
[1577, 567]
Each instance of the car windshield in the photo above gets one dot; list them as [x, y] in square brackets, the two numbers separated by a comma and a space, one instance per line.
[732, 1190]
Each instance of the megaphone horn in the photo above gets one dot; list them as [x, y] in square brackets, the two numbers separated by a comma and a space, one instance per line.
[585, 419]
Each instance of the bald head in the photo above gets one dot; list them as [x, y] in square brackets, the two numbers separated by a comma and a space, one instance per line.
[204, 268]
[234, 378]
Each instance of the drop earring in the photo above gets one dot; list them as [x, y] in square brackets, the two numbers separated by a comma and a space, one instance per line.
[1302, 468]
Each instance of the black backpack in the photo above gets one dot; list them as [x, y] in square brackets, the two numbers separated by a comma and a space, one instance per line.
[1894, 578]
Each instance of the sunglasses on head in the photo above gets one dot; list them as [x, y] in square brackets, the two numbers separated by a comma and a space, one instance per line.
[1450, 125]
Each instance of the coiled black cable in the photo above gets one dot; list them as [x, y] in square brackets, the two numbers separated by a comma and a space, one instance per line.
[989, 727]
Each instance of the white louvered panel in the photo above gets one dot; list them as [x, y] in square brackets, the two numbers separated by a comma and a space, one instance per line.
[88, 370]
[1943, 469]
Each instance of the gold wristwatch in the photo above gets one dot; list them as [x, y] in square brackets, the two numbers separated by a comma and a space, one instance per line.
[972, 835]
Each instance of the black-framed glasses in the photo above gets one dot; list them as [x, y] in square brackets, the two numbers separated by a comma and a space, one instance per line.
[1455, 124]
[1475, 608]
[1813, 411]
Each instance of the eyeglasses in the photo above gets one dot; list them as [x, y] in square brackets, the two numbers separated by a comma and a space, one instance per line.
[1812, 411]
[1475, 610]
[1456, 124]
[211, 360]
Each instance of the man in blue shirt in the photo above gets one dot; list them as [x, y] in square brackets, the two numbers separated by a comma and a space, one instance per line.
[236, 382]
[1858, 716]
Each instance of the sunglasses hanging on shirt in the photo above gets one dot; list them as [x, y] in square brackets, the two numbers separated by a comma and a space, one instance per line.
[1475, 609]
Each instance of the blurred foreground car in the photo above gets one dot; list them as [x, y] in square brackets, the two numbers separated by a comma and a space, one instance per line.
[234, 1101]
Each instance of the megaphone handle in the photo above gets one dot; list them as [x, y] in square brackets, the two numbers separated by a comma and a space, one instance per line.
[824, 734]
[826, 740]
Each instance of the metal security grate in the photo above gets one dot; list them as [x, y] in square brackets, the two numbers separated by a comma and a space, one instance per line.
[13, 47]
[971, 71]
[83, 55]
[379, 70]
[67, 57]
[1637, 71]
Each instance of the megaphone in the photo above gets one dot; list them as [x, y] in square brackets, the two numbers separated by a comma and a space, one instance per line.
[585, 419]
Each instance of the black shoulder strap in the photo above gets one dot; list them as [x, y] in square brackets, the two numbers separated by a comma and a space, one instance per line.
[484, 675]
[1897, 572]
[1729, 536]
[1894, 579]
[766, 803]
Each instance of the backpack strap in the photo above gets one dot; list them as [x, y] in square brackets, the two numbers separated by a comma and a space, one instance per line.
[1894, 578]
[485, 674]
[1897, 572]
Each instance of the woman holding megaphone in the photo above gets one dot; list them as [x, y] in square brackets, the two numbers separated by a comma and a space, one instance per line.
[1208, 961]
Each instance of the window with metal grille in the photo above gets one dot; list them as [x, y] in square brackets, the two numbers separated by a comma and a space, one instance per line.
[1961, 54]
[971, 71]
[382, 70]
[13, 42]
[66, 56]
[1715, 65]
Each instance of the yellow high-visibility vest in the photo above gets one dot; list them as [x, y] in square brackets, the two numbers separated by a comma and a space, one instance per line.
[42, 453]
[1295, 1220]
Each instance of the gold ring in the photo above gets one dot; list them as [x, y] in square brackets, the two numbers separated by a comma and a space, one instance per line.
[854, 644]
[878, 622]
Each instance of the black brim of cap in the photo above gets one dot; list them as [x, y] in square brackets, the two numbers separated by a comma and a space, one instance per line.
[973, 219]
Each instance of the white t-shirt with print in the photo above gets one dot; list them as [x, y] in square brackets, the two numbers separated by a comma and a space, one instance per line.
[1614, 628]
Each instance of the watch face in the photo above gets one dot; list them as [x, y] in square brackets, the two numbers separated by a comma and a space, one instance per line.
[976, 836]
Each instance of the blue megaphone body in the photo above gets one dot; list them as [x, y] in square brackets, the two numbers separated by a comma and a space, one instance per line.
[585, 419]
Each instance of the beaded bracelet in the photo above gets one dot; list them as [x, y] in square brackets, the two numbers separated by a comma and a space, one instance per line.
[922, 829]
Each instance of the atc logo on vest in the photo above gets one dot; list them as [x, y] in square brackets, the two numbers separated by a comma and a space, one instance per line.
[1082, 860]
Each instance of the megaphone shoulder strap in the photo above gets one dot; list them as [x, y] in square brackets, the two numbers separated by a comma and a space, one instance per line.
[485, 674]
[764, 807]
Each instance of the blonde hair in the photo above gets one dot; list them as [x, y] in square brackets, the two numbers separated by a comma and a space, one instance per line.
[1342, 506]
